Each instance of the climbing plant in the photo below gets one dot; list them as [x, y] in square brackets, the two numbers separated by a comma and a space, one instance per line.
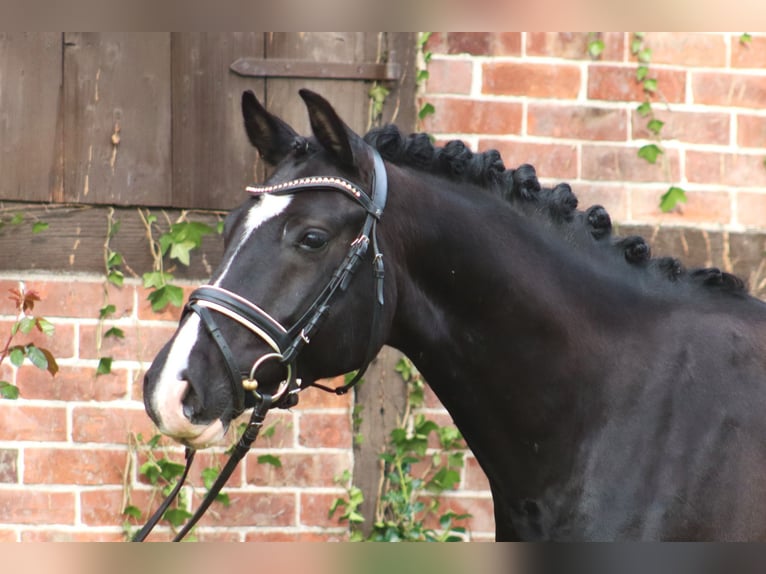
[414, 477]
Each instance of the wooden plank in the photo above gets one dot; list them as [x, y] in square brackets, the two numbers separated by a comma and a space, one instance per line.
[75, 238]
[285, 68]
[117, 118]
[213, 160]
[30, 136]
[380, 402]
[348, 97]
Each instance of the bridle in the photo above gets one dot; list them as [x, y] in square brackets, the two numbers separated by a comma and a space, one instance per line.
[285, 342]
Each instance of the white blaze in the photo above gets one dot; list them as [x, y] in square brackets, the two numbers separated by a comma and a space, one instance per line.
[171, 387]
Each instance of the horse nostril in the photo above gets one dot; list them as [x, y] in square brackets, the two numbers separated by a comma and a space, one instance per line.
[192, 404]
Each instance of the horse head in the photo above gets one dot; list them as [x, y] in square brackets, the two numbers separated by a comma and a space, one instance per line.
[281, 310]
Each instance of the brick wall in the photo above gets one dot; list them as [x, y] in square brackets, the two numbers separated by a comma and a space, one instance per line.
[536, 97]
[539, 98]
[65, 463]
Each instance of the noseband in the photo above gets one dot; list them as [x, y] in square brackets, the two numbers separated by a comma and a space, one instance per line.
[287, 342]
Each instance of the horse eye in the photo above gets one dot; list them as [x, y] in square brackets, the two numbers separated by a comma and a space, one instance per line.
[313, 240]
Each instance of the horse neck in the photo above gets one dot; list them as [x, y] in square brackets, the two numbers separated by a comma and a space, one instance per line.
[491, 310]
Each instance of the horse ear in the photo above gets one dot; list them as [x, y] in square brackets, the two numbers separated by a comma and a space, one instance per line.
[331, 132]
[272, 137]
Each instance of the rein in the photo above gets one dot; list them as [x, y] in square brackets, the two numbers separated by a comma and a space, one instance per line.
[286, 343]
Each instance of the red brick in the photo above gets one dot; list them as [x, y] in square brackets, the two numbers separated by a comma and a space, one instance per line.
[26, 506]
[321, 430]
[751, 131]
[751, 209]
[437, 42]
[298, 469]
[9, 471]
[72, 536]
[475, 479]
[72, 384]
[253, 509]
[75, 298]
[449, 77]
[618, 83]
[607, 163]
[319, 399]
[315, 508]
[457, 115]
[577, 122]
[729, 89]
[8, 535]
[750, 55]
[474, 43]
[574, 45]
[109, 424]
[287, 536]
[726, 168]
[612, 196]
[693, 127]
[533, 80]
[686, 49]
[104, 507]
[216, 536]
[550, 160]
[141, 343]
[700, 207]
[25, 422]
[90, 467]
[60, 344]
[506, 44]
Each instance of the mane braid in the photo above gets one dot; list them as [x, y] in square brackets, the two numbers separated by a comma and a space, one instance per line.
[557, 205]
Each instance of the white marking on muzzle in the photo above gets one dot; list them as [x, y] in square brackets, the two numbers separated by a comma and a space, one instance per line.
[171, 387]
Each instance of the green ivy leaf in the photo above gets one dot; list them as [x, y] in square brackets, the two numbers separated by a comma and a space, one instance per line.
[176, 516]
[106, 311]
[37, 357]
[745, 38]
[25, 325]
[596, 48]
[655, 126]
[168, 294]
[427, 110]
[115, 332]
[650, 85]
[116, 277]
[650, 152]
[44, 326]
[104, 366]
[671, 198]
[8, 391]
[644, 109]
[641, 73]
[181, 251]
[156, 279]
[270, 459]
[17, 219]
[114, 259]
[16, 356]
[39, 226]
[132, 512]
[645, 55]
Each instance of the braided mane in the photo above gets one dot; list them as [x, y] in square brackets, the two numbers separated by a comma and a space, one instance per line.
[557, 205]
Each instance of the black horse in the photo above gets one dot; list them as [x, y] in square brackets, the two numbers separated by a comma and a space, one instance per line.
[606, 394]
